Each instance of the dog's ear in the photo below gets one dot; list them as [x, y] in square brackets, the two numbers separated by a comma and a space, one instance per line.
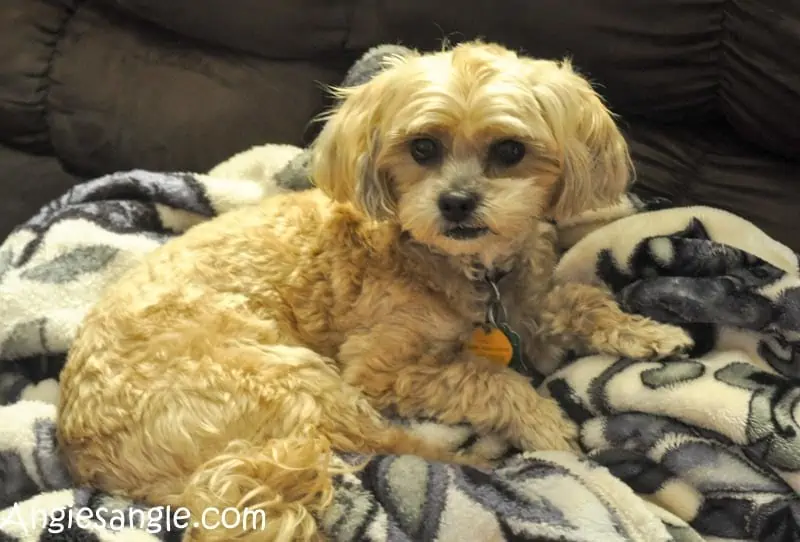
[595, 161]
[346, 157]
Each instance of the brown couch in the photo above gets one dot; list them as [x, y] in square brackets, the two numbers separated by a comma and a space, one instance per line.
[709, 93]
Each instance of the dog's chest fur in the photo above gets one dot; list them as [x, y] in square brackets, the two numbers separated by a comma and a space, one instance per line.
[364, 277]
[465, 293]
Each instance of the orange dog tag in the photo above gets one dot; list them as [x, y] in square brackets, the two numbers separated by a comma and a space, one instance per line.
[493, 345]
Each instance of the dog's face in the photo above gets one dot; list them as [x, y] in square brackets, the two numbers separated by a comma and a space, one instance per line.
[466, 149]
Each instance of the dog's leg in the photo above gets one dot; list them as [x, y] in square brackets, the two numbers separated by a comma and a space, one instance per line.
[591, 317]
[258, 428]
[466, 388]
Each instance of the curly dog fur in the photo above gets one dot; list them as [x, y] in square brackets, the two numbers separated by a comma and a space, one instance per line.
[228, 367]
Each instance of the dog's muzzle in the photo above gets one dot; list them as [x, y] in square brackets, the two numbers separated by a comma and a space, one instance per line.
[457, 208]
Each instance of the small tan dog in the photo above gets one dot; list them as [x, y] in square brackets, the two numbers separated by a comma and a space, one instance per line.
[228, 367]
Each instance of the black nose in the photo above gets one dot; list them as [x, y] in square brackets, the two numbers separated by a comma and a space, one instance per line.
[457, 206]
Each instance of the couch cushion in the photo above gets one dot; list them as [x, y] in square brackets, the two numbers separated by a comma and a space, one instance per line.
[760, 86]
[655, 57]
[29, 33]
[712, 165]
[127, 94]
[271, 28]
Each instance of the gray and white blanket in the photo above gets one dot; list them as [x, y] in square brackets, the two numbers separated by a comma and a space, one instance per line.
[704, 448]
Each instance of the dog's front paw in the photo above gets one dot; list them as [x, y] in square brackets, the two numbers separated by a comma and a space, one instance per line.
[642, 338]
[546, 428]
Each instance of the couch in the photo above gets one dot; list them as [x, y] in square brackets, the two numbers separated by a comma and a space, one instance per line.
[708, 93]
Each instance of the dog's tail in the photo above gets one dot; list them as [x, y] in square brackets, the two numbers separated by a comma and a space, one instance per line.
[276, 492]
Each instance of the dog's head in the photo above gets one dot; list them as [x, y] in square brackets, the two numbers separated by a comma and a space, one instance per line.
[467, 148]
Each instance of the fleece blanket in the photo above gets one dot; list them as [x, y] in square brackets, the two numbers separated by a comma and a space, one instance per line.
[701, 448]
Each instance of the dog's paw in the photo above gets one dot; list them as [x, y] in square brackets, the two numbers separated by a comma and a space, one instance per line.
[647, 339]
[547, 428]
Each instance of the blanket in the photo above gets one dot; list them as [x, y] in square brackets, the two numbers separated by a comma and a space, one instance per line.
[700, 448]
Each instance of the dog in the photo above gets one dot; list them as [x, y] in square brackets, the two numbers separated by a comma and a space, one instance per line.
[230, 366]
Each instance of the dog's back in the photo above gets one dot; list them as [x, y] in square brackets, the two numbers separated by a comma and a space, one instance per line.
[190, 383]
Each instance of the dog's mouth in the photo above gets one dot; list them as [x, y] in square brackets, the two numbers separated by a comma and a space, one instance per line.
[466, 232]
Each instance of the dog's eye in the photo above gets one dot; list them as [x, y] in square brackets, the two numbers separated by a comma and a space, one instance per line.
[507, 152]
[425, 150]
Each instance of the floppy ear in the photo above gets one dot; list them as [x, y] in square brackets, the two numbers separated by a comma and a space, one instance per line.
[596, 164]
[346, 156]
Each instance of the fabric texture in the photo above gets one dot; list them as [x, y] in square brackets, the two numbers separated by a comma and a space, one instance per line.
[684, 450]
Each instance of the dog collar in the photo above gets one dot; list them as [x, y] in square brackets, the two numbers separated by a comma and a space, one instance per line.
[485, 336]
[484, 340]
